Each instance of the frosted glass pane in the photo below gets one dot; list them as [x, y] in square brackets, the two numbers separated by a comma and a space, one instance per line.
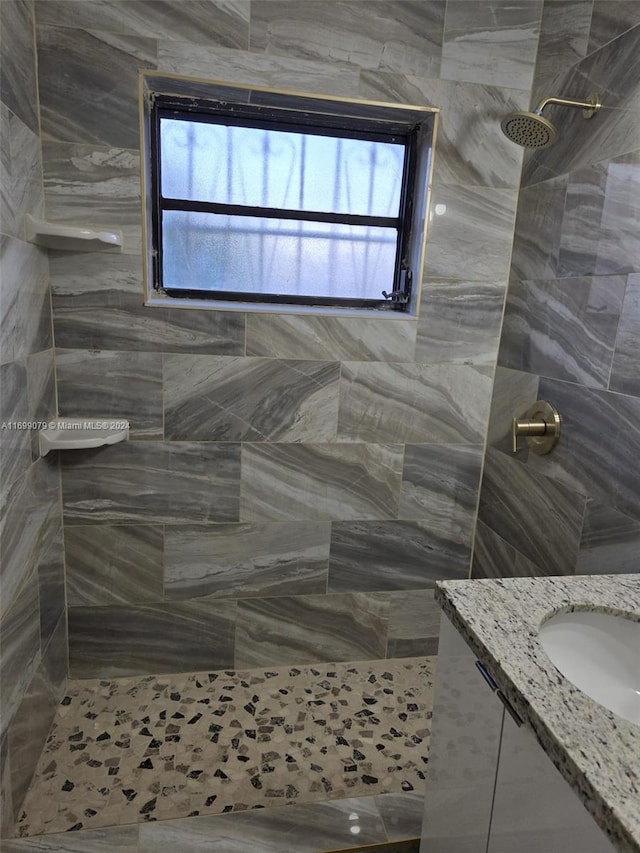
[204, 251]
[279, 169]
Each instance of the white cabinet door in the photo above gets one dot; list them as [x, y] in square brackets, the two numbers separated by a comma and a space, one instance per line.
[465, 740]
[534, 809]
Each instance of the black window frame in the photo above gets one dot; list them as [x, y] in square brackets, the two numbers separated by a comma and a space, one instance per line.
[396, 298]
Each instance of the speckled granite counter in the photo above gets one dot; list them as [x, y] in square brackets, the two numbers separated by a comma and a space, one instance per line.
[596, 751]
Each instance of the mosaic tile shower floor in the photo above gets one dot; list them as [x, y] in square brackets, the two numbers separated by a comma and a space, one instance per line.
[127, 750]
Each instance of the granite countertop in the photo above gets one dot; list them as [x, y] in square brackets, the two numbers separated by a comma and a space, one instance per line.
[596, 751]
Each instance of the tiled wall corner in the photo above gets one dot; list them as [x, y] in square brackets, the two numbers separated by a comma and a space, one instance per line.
[33, 645]
[571, 317]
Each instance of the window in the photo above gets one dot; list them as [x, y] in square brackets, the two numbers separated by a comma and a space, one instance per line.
[288, 203]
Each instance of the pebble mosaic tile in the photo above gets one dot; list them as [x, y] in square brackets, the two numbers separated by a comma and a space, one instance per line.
[129, 750]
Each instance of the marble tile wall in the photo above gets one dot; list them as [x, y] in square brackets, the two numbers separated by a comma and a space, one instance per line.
[294, 484]
[33, 645]
[572, 317]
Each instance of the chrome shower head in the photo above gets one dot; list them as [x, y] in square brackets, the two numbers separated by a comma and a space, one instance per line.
[533, 130]
[529, 129]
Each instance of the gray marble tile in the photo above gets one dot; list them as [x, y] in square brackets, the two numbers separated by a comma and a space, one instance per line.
[625, 371]
[129, 640]
[416, 403]
[77, 68]
[113, 564]
[540, 517]
[100, 306]
[94, 187]
[320, 481]
[401, 647]
[493, 557]
[7, 817]
[413, 615]
[440, 486]
[493, 43]
[538, 230]
[599, 450]
[218, 398]
[610, 542]
[619, 238]
[21, 188]
[404, 37]
[20, 649]
[470, 233]
[327, 338]
[151, 481]
[401, 814]
[310, 628]
[305, 828]
[526, 568]
[124, 839]
[30, 508]
[470, 150]
[51, 585]
[112, 385]
[613, 71]
[368, 556]
[219, 22]
[41, 393]
[6, 195]
[610, 19]
[246, 560]
[25, 314]
[55, 659]
[15, 443]
[216, 23]
[564, 328]
[397, 88]
[28, 732]
[18, 84]
[242, 67]
[513, 393]
[459, 322]
[564, 36]
[581, 221]
[87, 15]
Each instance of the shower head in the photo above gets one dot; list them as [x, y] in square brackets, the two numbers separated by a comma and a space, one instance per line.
[533, 130]
[529, 129]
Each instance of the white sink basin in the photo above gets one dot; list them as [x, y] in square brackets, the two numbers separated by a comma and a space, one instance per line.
[600, 654]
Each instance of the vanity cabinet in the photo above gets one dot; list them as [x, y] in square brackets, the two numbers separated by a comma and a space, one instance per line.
[492, 788]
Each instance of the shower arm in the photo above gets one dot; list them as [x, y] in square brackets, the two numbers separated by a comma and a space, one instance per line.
[588, 107]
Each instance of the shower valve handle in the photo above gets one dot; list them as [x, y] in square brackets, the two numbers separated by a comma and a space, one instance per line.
[541, 426]
[527, 428]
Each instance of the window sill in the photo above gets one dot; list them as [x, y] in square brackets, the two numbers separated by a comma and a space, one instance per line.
[157, 301]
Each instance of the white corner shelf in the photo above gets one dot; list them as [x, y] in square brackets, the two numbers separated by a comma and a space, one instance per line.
[53, 235]
[81, 434]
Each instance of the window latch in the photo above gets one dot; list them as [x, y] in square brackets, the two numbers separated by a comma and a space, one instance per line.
[396, 296]
[402, 294]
